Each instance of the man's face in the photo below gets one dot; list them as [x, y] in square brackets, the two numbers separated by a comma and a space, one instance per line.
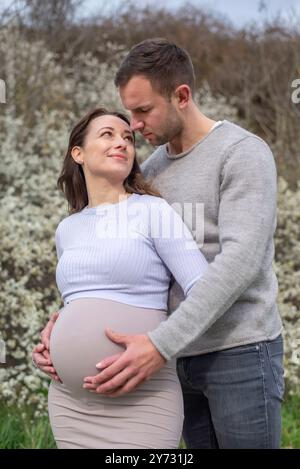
[156, 118]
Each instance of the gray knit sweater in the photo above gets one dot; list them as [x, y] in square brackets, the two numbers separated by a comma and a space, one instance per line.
[232, 173]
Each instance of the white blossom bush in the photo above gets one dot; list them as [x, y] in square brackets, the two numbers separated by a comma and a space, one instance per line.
[216, 107]
[44, 100]
[287, 243]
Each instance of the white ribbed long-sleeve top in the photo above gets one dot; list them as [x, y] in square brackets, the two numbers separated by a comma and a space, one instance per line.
[126, 252]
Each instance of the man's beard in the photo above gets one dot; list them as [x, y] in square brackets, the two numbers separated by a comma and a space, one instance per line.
[172, 129]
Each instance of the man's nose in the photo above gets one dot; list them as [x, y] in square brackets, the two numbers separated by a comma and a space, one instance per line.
[136, 124]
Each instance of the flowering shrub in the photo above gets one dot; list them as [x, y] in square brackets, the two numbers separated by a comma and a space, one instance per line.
[287, 245]
[33, 137]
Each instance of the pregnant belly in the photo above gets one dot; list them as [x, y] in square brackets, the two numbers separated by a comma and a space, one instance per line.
[78, 341]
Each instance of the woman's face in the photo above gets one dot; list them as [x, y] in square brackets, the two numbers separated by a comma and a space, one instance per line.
[108, 150]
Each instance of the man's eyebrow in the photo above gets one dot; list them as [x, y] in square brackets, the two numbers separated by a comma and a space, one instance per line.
[139, 108]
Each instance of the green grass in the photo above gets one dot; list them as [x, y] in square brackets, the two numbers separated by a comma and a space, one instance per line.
[18, 429]
[291, 423]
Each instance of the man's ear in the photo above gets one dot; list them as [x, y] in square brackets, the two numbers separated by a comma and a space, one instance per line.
[76, 154]
[183, 95]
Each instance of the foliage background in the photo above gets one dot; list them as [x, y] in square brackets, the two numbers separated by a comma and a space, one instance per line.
[56, 69]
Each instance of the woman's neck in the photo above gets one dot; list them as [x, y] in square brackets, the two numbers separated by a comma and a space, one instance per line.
[99, 194]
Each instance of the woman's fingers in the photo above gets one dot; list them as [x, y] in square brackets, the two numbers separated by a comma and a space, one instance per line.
[48, 369]
[46, 354]
[40, 360]
[46, 332]
[55, 377]
[51, 372]
[38, 348]
[45, 365]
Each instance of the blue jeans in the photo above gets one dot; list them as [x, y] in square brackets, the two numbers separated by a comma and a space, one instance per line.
[232, 398]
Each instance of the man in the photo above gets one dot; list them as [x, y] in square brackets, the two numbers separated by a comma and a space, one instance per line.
[227, 332]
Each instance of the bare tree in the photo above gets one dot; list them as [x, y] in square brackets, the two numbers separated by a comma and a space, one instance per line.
[51, 16]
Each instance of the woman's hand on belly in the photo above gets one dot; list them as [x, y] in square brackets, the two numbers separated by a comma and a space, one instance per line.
[46, 332]
[41, 359]
[123, 373]
[41, 352]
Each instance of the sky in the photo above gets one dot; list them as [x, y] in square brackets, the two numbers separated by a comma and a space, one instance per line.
[239, 12]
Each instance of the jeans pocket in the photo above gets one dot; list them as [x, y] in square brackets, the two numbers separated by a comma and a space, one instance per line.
[275, 355]
[240, 349]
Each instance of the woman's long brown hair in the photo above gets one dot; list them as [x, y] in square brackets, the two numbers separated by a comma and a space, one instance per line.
[71, 180]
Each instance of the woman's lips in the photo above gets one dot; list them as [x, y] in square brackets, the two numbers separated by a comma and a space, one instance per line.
[119, 157]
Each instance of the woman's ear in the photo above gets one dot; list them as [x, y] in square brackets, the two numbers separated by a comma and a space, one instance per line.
[76, 154]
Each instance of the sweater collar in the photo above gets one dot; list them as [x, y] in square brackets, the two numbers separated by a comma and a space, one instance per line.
[186, 152]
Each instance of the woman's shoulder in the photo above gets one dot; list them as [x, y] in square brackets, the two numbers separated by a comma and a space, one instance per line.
[68, 220]
[157, 204]
[152, 200]
[159, 209]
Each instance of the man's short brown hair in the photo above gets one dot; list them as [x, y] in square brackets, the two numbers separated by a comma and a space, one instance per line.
[163, 63]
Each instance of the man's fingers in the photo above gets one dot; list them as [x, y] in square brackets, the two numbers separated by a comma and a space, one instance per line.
[111, 385]
[101, 365]
[117, 382]
[116, 337]
[90, 386]
[108, 373]
[129, 386]
[108, 361]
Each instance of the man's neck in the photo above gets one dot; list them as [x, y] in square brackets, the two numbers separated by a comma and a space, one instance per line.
[196, 127]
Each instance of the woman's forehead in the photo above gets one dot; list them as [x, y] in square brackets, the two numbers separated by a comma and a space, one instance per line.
[110, 121]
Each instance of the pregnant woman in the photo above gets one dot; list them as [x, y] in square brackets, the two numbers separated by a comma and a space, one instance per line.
[117, 251]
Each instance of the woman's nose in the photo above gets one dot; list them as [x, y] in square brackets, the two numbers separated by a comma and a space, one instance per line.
[120, 142]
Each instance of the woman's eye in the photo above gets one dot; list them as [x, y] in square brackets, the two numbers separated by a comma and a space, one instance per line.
[129, 137]
[107, 132]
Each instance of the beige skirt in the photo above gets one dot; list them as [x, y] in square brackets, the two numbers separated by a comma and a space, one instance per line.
[149, 417]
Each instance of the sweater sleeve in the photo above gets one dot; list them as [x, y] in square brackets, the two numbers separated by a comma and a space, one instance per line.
[247, 220]
[176, 247]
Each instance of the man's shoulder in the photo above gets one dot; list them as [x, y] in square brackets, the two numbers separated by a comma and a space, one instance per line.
[234, 134]
[245, 143]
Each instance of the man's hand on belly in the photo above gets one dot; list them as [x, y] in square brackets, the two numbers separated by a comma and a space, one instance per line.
[123, 373]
